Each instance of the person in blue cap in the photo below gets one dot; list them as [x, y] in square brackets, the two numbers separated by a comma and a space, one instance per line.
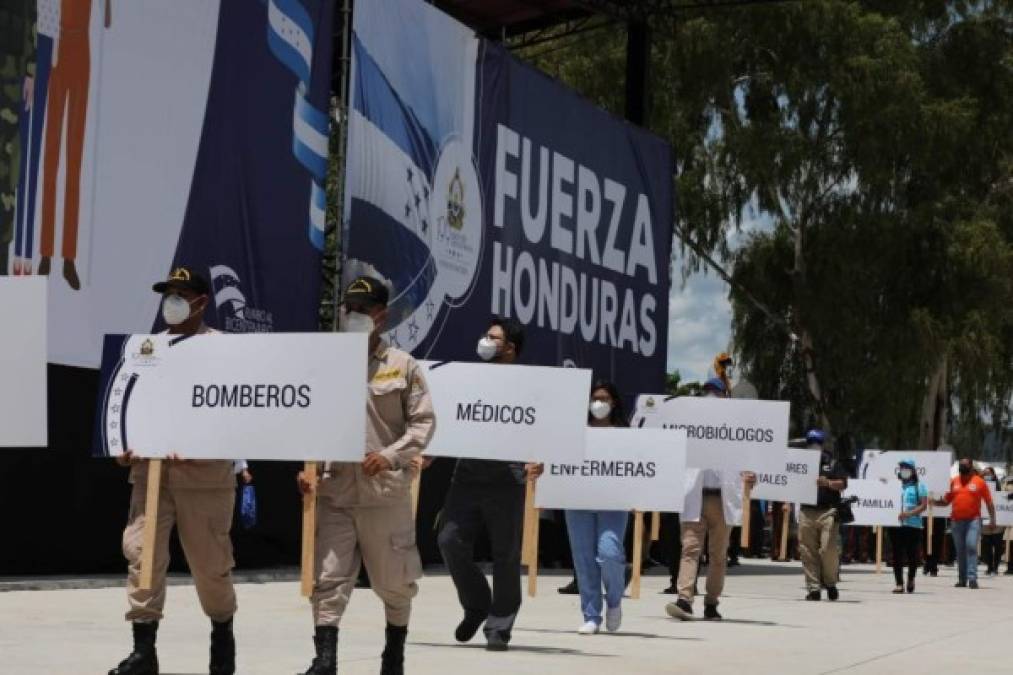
[904, 539]
[818, 527]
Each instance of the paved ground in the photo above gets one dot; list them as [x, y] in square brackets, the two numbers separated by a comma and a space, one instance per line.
[768, 629]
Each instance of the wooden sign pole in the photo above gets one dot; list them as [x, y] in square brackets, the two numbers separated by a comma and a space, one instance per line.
[655, 526]
[928, 545]
[747, 491]
[785, 526]
[309, 530]
[879, 548]
[416, 489]
[150, 522]
[638, 551]
[529, 542]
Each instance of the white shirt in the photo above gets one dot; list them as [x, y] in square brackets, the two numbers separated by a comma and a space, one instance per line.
[731, 496]
[711, 479]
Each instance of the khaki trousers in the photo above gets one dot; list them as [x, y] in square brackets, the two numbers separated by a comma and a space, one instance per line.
[203, 518]
[711, 526]
[817, 538]
[382, 538]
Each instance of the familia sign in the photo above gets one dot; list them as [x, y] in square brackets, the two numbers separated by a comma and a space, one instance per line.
[217, 396]
[724, 434]
[508, 412]
[878, 501]
[624, 470]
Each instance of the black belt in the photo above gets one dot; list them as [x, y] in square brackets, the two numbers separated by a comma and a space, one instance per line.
[712, 492]
[818, 507]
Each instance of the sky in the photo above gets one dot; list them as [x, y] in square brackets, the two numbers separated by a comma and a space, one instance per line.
[699, 323]
[699, 311]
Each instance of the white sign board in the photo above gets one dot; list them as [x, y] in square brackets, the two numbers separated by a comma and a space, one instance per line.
[624, 470]
[933, 467]
[724, 434]
[508, 412]
[254, 396]
[1003, 509]
[23, 362]
[878, 501]
[795, 483]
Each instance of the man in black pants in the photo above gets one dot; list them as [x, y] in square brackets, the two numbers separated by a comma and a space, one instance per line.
[489, 494]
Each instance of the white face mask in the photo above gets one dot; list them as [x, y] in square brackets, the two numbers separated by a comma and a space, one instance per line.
[356, 322]
[600, 409]
[905, 474]
[486, 349]
[175, 310]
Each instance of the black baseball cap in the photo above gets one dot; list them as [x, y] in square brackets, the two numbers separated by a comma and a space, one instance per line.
[368, 290]
[184, 279]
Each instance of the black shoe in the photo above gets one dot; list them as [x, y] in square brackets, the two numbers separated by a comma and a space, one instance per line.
[1008, 572]
[671, 590]
[910, 585]
[469, 625]
[144, 659]
[223, 649]
[960, 584]
[680, 609]
[710, 613]
[734, 562]
[972, 584]
[569, 589]
[325, 641]
[934, 573]
[814, 596]
[832, 594]
[392, 662]
[496, 641]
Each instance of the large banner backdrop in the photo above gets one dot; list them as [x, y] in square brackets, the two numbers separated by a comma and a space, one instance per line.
[477, 185]
[154, 133]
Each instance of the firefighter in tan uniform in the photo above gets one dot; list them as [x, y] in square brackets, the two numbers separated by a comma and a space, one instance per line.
[364, 510]
[197, 496]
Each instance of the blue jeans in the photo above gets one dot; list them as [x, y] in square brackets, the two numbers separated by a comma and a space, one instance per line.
[31, 147]
[596, 541]
[965, 540]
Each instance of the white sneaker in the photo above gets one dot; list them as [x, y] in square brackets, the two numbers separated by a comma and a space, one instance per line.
[613, 619]
[589, 628]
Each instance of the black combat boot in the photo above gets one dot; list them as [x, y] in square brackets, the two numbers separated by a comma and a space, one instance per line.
[223, 649]
[393, 653]
[325, 641]
[143, 660]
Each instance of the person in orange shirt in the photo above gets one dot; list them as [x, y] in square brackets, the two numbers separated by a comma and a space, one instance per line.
[967, 492]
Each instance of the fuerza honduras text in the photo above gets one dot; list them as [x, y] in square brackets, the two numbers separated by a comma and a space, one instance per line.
[559, 204]
[251, 396]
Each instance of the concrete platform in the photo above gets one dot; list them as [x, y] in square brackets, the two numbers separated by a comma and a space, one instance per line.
[768, 628]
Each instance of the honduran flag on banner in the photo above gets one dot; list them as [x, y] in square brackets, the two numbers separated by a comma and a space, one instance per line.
[478, 186]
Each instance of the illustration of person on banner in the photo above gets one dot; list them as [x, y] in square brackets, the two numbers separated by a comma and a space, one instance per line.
[36, 95]
[17, 21]
[364, 511]
[197, 498]
[67, 112]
